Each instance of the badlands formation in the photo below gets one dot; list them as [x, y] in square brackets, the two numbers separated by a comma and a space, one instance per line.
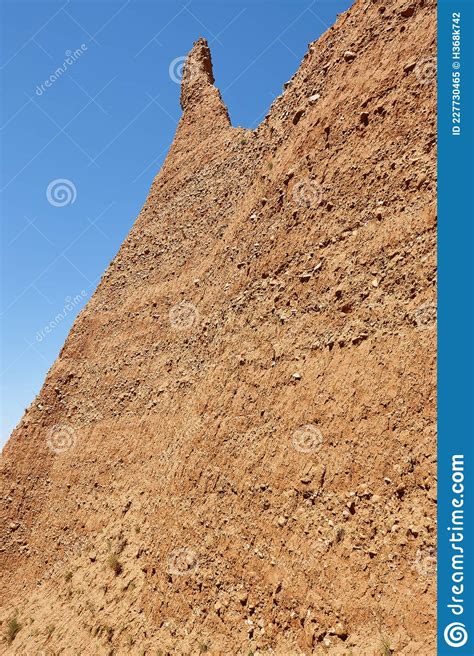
[234, 452]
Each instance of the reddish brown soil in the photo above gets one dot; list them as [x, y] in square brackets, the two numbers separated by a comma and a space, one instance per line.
[248, 400]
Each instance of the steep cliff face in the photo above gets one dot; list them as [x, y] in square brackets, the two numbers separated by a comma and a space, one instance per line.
[235, 450]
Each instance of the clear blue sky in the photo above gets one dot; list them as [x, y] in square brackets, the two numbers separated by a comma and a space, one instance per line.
[104, 125]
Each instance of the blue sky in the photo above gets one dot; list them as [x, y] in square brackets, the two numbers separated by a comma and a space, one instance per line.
[80, 148]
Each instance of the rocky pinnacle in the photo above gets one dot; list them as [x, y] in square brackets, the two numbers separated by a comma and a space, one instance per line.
[197, 73]
[198, 93]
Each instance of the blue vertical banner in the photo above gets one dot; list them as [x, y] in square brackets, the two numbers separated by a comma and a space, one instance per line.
[455, 327]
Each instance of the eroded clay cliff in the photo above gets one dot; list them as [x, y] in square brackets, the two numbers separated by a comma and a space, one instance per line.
[235, 450]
